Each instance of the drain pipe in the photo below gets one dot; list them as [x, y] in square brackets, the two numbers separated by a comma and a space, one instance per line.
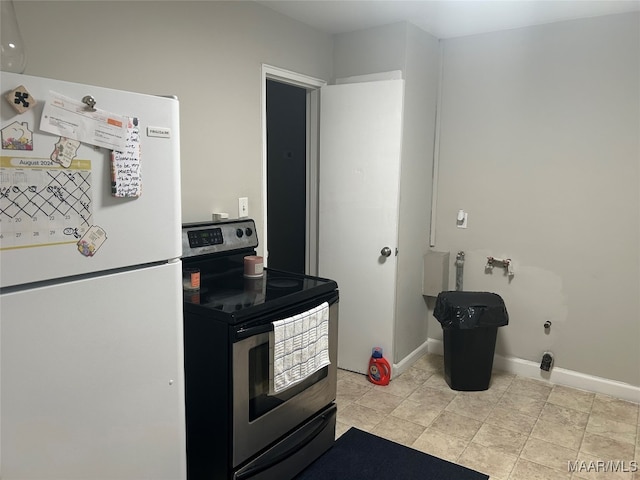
[459, 270]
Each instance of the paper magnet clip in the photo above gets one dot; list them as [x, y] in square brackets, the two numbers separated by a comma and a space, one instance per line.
[90, 102]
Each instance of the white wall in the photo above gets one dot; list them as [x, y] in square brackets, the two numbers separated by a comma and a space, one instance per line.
[209, 54]
[539, 143]
[374, 50]
[421, 88]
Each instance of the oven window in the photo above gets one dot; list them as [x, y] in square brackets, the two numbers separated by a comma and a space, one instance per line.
[260, 402]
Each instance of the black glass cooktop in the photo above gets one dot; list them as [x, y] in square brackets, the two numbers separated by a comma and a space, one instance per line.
[232, 297]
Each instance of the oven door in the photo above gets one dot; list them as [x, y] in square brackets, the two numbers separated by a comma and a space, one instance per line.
[260, 419]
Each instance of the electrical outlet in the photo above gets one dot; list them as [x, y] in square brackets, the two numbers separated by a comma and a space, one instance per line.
[243, 207]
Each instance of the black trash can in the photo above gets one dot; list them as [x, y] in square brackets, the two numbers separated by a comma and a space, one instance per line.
[470, 322]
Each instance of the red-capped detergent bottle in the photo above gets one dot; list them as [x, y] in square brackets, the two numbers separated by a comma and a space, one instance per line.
[379, 368]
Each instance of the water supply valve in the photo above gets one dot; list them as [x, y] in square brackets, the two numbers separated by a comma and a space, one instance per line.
[505, 263]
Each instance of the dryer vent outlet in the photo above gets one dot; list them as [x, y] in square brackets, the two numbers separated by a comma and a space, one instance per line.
[547, 361]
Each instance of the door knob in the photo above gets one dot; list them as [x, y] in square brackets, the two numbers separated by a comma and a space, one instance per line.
[385, 252]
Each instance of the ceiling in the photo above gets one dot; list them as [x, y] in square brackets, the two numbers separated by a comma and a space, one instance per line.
[443, 18]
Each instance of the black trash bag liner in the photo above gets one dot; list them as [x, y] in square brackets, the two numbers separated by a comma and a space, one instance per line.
[466, 310]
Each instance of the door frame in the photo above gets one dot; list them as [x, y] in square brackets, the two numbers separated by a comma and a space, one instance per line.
[312, 86]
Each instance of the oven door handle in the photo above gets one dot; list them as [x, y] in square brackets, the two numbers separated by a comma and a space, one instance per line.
[322, 421]
[243, 332]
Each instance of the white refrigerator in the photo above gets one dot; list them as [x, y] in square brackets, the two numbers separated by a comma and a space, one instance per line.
[91, 359]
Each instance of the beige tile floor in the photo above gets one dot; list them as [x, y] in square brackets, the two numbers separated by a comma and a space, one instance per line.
[518, 429]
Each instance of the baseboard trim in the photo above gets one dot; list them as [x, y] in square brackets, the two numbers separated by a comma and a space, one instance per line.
[558, 376]
[406, 362]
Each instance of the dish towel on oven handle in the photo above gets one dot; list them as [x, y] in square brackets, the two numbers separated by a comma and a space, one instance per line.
[299, 347]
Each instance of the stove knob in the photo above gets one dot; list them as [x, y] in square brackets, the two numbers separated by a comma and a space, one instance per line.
[239, 233]
[248, 231]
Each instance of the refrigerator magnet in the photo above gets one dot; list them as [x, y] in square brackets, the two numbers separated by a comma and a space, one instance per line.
[65, 151]
[91, 241]
[20, 99]
[17, 136]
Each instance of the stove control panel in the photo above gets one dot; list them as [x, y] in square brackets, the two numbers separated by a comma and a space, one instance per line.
[218, 237]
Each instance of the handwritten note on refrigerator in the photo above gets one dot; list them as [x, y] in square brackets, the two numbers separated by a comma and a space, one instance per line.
[126, 180]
